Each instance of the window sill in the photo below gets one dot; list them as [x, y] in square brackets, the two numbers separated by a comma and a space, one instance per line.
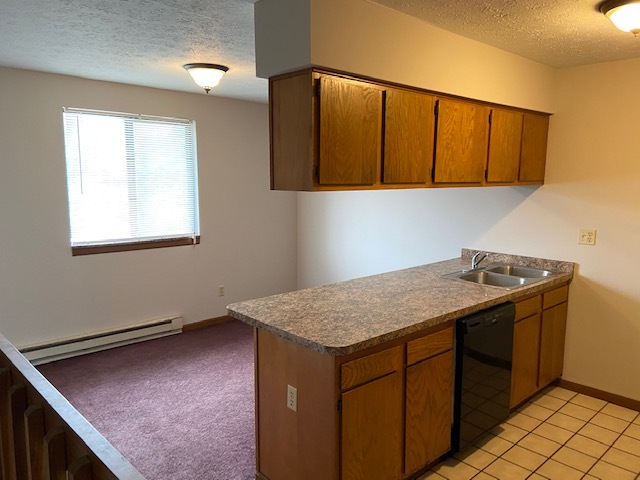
[127, 247]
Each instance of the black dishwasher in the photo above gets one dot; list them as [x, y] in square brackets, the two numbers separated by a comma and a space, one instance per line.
[484, 345]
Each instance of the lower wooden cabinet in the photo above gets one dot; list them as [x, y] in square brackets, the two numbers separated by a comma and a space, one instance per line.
[526, 358]
[372, 430]
[380, 434]
[538, 343]
[384, 413]
[552, 336]
[428, 411]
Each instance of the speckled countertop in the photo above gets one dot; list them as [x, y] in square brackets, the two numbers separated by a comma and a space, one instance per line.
[345, 317]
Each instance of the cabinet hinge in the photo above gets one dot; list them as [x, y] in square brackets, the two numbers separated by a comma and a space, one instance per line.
[436, 108]
[339, 406]
[490, 116]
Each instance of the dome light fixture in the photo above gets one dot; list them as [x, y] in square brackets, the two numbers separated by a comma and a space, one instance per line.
[625, 14]
[207, 75]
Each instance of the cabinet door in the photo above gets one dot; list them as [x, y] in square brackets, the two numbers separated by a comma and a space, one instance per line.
[461, 142]
[428, 411]
[552, 335]
[526, 356]
[372, 430]
[505, 140]
[291, 127]
[408, 140]
[535, 130]
[350, 132]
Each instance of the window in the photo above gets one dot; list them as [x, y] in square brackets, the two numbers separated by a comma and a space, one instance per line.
[132, 181]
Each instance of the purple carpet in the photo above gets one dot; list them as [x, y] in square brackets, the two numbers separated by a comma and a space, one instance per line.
[178, 408]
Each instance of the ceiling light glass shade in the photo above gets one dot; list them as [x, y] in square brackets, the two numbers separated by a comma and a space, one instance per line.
[624, 15]
[207, 75]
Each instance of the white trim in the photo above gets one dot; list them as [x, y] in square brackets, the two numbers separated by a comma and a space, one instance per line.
[70, 347]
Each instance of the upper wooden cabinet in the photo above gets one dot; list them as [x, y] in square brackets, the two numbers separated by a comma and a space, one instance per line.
[332, 131]
[503, 163]
[517, 147]
[408, 137]
[350, 132]
[326, 132]
[292, 122]
[461, 142]
[535, 130]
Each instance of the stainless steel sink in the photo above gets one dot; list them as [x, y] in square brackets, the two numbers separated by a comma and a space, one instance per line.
[485, 277]
[501, 275]
[515, 270]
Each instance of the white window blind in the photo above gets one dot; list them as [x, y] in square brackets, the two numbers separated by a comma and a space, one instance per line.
[130, 178]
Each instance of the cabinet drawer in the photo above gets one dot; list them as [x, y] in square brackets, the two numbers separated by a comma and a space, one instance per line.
[429, 345]
[554, 297]
[365, 369]
[528, 307]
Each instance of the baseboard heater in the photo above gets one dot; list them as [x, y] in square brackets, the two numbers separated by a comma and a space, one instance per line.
[94, 342]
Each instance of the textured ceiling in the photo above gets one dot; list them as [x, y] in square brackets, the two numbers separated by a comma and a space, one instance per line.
[146, 42]
[141, 42]
[560, 33]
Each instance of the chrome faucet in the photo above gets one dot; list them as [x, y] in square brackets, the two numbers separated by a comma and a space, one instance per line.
[475, 261]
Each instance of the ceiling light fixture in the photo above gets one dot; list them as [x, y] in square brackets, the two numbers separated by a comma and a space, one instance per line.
[207, 75]
[625, 14]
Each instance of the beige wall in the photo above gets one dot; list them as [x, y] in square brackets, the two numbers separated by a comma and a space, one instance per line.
[596, 165]
[368, 39]
[592, 180]
[248, 232]
[281, 49]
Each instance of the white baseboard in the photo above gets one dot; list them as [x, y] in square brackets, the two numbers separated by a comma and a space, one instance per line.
[47, 352]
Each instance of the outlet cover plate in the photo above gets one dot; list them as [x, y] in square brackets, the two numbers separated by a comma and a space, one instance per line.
[587, 236]
[292, 398]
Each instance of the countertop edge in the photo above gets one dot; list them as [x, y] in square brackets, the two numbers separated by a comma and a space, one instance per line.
[564, 276]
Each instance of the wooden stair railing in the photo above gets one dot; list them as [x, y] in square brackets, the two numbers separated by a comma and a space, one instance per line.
[42, 437]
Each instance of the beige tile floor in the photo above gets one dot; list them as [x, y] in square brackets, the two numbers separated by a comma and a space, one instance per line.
[558, 435]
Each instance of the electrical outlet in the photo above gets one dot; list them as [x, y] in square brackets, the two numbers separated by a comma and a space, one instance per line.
[292, 398]
[221, 290]
[587, 236]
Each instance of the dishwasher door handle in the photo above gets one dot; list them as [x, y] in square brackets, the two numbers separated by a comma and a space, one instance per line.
[474, 325]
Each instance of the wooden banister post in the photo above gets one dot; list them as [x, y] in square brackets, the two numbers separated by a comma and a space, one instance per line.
[5, 439]
[80, 469]
[34, 435]
[55, 455]
[17, 406]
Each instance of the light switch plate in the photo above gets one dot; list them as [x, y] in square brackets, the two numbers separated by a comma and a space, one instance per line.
[587, 236]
